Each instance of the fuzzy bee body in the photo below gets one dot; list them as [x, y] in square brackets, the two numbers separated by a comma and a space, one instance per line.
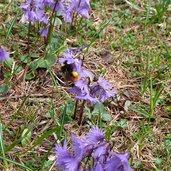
[69, 73]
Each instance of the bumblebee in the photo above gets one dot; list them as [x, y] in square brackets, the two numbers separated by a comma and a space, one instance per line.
[69, 73]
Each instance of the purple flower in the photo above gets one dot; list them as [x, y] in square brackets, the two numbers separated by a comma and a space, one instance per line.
[99, 91]
[95, 135]
[100, 152]
[98, 167]
[44, 32]
[33, 11]
[85, 149]
[83, 73]
[82, 91]
[82, 7]
[68, 14]
[68, 58]
[49, 3]
[76, 64]
[81, 147]
[118, 162]
[102, 90]
[68, 7]
[65, 161]
[62, 154]
[59, 7]
[4, 55]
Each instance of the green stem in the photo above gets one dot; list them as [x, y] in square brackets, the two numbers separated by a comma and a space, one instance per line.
[2, 147]
[51, 24]
[28, 40]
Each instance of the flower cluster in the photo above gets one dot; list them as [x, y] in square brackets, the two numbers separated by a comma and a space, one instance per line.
[95, 150]
[68, 8]
[36, 11]
[4, 55]
[33, 11]
[85, 88]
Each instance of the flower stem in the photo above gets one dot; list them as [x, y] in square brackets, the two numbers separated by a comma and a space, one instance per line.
[75, 110]
[81, 113]
[28, 40]
[51, 24]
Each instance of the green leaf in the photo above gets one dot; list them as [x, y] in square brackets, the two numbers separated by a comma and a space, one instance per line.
[34, 65]
[99, 109]
[26, 137]
[17, 141]
[67, 110]
[168, 108]
[123, 123]
[106, 117]
[42, 138]
[16, 163]
[138, 164]
[34, 55]
[10, 28]
[30, 75]
[4, 89]
[25, 59]
[158, 161]
[42, 63]
[9, 62]
[58, 22]
[88, 112]
[47, 62]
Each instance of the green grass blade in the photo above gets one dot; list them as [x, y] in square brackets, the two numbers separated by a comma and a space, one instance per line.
[158, 93]
[16, 113]
[96, 35]
[20, 139]
[2, 145]
[46, 156]
[10, 28]
[148, 11]
[16, 163]
[151, 98]
[41, 138]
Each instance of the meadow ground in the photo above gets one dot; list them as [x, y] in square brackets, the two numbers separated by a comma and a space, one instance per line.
[130, 46]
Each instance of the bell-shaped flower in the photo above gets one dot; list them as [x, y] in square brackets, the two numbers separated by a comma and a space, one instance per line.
[4, 55]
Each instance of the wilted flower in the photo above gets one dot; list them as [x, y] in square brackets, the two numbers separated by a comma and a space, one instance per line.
[104, 159]
[4, 55]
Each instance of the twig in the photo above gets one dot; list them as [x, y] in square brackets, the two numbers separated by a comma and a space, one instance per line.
[22, 96]
[127, 86]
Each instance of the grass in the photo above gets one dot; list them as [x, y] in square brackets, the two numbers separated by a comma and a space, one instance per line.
[32, 101]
